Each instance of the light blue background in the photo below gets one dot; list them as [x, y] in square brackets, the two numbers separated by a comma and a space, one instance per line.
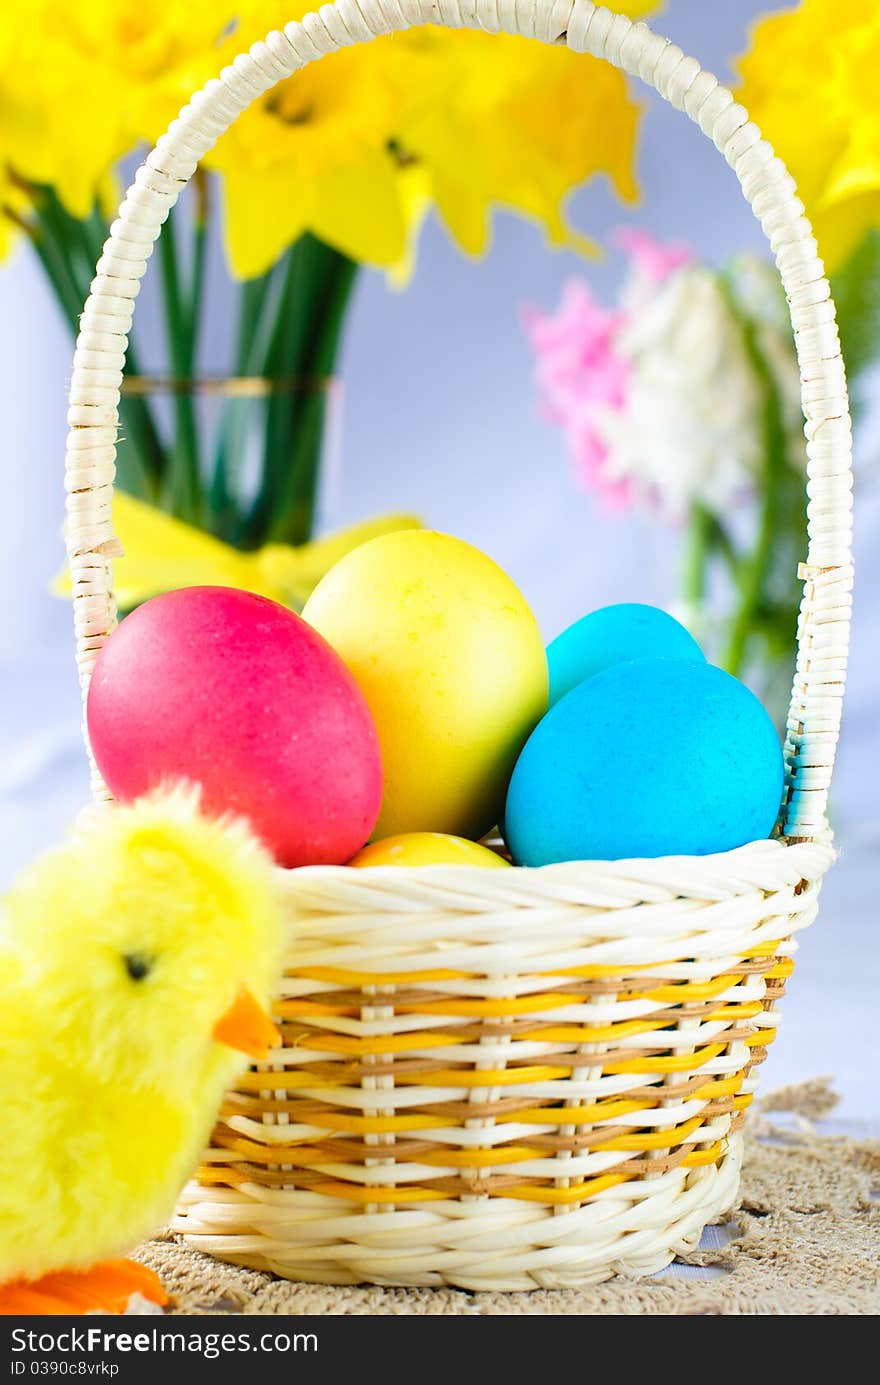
[439, 418]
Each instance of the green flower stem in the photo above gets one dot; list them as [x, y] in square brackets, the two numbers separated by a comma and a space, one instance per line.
[753, 576]
[69, 236]
[183, 490]
[707, 540]
[725, 547]
[201, 217]
[755, 570]
[290, 325]
[147, 453]
[698, 554]
[316, 288]
[295, 519]
[232, 431]
[57, 272]
[280, 362]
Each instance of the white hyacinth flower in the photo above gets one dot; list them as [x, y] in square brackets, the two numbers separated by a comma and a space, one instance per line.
[692, 429]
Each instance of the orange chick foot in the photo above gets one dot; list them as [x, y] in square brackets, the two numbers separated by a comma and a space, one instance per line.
[107, 1287]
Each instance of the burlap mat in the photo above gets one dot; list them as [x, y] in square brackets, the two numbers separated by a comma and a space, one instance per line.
[807, 1241]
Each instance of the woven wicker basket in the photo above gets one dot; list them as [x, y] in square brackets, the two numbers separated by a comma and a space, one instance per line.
[529, 1077]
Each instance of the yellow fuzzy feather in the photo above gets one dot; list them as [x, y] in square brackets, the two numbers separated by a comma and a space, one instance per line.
[110, 1081]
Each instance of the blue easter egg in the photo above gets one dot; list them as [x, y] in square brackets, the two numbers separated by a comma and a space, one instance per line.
[656, 757]
[613, 635]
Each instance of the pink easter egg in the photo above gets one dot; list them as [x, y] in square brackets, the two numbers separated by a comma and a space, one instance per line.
[237, 694]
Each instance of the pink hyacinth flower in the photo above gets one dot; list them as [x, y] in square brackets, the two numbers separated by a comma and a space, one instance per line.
[581, 371]
[650, 257]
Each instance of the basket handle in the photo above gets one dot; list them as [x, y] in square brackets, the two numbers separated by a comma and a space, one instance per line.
[823, 626]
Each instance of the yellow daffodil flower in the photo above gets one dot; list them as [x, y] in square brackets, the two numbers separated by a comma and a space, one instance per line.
[353, 149]
[808, 81]
[498, 120]
[75, 78]
[316, 154]
[486, 120]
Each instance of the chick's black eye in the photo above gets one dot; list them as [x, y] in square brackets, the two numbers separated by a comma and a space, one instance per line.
[137, 965]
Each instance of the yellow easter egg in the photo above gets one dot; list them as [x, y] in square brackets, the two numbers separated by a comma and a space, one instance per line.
[427, 849]
[452, 665]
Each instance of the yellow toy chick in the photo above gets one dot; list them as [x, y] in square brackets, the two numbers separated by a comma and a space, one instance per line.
[134, 965]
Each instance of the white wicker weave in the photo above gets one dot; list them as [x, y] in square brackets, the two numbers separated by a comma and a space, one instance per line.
[430, 1118]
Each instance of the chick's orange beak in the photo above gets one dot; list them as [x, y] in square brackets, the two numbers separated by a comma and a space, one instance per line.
[247, 1027]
